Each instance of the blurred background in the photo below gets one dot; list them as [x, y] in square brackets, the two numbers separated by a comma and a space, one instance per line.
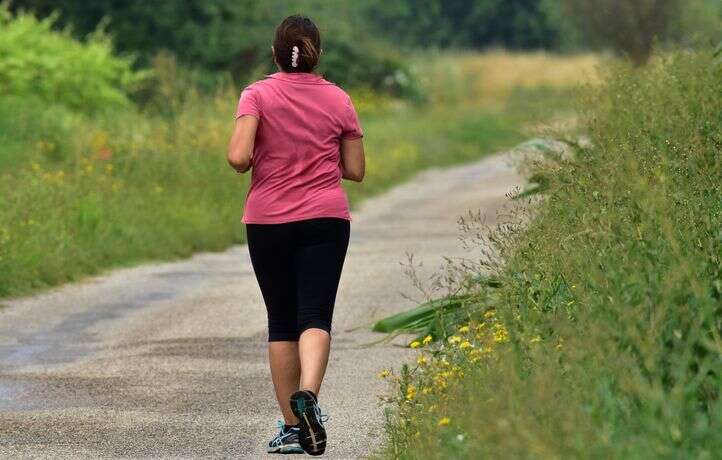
[115, 116]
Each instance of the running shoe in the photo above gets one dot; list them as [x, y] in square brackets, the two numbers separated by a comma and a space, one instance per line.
[286, 441]
[312, 436]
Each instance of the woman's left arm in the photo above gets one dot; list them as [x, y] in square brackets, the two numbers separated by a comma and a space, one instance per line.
[240, 149]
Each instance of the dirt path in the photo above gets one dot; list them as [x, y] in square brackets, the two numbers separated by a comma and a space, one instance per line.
[169, 360]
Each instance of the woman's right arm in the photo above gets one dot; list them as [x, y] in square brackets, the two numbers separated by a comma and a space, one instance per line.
[353, 159]
[240, 149]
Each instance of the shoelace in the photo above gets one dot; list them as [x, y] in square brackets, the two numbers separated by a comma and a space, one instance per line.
[278, 440]
[323, 418]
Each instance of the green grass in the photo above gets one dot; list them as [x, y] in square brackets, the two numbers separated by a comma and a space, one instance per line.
[81, 192]
[604, 339]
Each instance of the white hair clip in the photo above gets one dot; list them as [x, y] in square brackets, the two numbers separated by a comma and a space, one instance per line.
[294, 57]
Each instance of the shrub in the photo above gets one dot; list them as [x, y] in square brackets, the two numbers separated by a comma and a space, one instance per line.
[36, 60]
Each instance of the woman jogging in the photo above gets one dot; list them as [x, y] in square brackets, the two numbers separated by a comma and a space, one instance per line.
[299, 134]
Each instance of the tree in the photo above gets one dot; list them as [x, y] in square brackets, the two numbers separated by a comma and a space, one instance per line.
[629, 26]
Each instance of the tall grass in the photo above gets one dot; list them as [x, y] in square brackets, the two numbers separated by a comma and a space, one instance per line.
[605, 337]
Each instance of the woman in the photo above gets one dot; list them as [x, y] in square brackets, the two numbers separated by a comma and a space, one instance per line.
[300, 135]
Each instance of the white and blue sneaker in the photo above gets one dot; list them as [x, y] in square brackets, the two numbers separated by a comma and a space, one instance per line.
[286, 441]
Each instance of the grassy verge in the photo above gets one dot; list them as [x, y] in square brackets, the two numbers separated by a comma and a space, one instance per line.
[80, 193]
[603, 335]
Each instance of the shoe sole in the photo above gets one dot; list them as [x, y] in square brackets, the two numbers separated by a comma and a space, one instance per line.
[313, 435]
[287, 449]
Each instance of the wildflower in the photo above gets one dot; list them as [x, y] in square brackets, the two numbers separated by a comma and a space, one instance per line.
[501, 335]
[489, 314]
[384, 373]
[536, 339]
[427, 340]
[460, 437]
[465, 344]
[426, 390]
[464, 329]
[415, 344]
[454, 339]
[105, 153]
[431, 408]
[421, 360]
[410, 392]
[444, 421]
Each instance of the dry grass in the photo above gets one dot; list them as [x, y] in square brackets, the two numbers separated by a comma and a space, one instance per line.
[490, 78]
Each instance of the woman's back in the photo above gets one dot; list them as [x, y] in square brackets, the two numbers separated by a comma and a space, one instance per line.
[296, 171]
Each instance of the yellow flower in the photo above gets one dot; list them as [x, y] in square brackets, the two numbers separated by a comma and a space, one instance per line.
[384, 373]
[415, 344]
[501, 335]
[421, 360]
[466, 344]
[454, 339]
[410, 392]
[444, 421]
[427, 340]
[464, 329]
[535, 339]
[489, 314]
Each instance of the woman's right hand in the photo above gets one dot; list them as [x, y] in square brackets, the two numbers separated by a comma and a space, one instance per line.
[240, 150]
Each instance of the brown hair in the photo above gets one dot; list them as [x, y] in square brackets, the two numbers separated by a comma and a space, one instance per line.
[297, 31]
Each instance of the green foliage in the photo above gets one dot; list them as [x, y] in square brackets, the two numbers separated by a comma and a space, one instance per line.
[477, 24]
[37, 61]
[631, 27]
[234, 37]
[611, 295]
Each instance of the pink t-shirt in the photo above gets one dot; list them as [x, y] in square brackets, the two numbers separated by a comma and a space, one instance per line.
[296, 171]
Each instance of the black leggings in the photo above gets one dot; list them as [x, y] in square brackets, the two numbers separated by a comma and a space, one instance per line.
[298, 266]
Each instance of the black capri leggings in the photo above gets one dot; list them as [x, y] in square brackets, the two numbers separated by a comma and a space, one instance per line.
[298, 267]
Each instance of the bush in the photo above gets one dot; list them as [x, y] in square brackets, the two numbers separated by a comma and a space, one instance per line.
[37, 61]
[611, 299]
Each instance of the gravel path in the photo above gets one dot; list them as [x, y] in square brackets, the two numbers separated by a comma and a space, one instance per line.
[169, 360]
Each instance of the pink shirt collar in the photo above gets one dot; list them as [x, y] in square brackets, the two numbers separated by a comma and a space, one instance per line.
[300, 77]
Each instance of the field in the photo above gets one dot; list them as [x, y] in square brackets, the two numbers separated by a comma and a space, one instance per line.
[600, 335]
[83, 191]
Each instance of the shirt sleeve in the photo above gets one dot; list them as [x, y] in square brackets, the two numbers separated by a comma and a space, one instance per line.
[351, 125]
[249, 103]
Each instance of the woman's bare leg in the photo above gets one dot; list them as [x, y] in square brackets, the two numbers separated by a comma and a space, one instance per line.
[313, 348]
[286, 374]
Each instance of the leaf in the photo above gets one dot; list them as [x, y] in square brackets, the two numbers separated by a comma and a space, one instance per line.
[418, 318]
